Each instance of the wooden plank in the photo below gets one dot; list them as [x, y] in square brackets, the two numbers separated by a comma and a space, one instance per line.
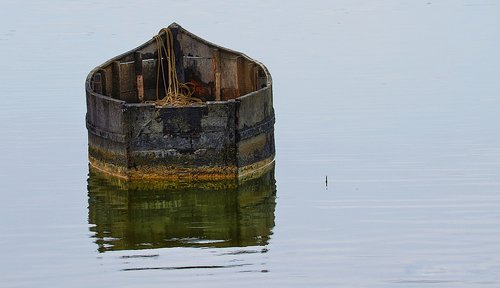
[245, 76]
[103, 81]
[116, 91]
[255, 78]
[139, 76]
[216, 62]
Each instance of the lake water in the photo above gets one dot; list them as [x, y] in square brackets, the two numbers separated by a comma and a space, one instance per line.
[396, 102]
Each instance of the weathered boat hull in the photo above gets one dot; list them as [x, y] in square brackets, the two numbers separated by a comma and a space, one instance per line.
[229, 135]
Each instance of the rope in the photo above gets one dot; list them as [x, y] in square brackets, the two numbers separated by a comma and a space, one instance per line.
[176, 93]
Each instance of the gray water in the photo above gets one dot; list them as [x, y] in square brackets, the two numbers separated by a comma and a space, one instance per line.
[396, 102]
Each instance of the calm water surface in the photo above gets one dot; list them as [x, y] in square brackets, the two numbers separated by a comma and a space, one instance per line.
[397, 102]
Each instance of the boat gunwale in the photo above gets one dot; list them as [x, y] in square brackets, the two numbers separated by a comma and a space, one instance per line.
[88, 80]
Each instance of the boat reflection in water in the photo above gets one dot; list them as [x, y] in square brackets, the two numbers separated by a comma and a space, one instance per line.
[220, 214]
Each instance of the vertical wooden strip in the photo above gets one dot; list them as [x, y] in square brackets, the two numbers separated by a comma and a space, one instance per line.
[239, 76]
[96, 83]
[255, 78]
[139, 76]
[216, 66]
[217, 87]
[116, 80]
[245, 76]
[179, 56]
[103, 82]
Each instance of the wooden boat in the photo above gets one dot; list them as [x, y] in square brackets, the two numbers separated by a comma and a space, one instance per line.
[179, 107]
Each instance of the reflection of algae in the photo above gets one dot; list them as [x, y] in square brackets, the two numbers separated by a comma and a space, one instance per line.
[223, 214]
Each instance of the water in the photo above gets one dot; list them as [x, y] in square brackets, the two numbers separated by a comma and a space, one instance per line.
[395, 101]
[130, 218]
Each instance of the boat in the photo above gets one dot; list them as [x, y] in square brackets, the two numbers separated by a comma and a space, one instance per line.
[180, 108]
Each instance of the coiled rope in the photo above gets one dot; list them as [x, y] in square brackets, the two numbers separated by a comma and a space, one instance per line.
[176, 93]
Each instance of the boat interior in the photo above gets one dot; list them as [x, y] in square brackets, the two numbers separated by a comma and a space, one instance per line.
[193, 69]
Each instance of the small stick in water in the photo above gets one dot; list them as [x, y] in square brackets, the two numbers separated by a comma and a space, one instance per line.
[326, 181]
